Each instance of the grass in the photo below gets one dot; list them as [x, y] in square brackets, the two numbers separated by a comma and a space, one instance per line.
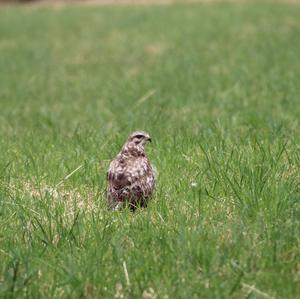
[216, 85]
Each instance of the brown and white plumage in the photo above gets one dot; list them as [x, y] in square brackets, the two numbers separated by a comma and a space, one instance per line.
[130, 176]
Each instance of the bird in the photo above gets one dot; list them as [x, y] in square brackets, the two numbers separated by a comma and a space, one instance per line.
[131, 177]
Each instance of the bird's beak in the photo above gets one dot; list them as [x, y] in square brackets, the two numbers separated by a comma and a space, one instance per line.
[149, 139]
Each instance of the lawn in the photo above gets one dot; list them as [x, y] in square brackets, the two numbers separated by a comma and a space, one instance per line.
[218, 88]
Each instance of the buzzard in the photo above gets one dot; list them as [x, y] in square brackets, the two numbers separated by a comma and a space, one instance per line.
[130, 177]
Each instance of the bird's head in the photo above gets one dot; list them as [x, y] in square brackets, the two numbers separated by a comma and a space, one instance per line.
[139, 138]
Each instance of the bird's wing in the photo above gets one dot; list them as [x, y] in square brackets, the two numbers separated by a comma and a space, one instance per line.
[116, 176]
[143, 177]
[135, 173]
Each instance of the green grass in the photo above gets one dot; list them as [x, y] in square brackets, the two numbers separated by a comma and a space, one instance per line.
[224, 118]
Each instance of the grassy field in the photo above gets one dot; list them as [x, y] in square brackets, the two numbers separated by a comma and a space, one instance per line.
[218, 88]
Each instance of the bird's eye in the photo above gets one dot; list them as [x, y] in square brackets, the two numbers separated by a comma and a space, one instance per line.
[139, 136]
